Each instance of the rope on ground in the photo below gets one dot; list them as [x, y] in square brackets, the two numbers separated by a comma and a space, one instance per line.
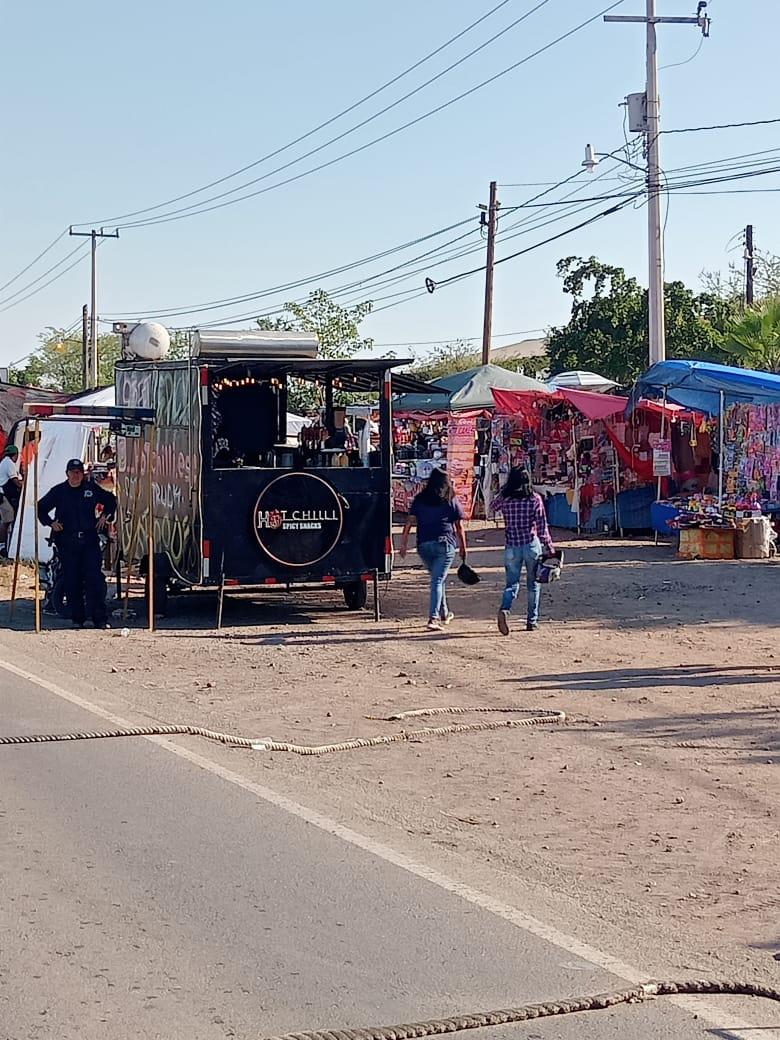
[529, 1012]
[531, 717]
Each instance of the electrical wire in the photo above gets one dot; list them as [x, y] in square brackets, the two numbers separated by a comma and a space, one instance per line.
[194, 211]
[320, 126]
[285, 287]
[45, 285]
[368, 119]
[537, 245]
[32, 263]
[679, 64]
[721, 126]
[80, 246]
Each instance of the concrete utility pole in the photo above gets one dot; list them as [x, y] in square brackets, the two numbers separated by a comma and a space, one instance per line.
[92, 364]
[85, 347]
[652, 130]
[749, 265]
[489, 221]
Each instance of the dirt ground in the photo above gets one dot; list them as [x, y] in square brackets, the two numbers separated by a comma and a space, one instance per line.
[648, 822]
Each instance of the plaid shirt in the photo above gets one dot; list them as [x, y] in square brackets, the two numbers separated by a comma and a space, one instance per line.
[525, 520]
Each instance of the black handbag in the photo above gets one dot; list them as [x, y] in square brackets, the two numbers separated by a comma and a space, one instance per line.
[468, 575]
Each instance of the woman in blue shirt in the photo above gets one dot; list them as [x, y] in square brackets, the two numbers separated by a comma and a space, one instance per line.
[440, 532]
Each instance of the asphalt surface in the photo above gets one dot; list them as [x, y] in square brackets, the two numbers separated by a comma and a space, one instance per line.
[141, 896]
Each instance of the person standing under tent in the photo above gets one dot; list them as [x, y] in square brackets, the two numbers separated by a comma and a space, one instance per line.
[440, 533]
[76, 526]
[526, 532]
[11, 488]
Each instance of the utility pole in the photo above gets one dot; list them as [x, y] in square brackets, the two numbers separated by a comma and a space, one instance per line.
[489, 220]
[85, 347]
[652, 131]
[749, 265]
[92, 360]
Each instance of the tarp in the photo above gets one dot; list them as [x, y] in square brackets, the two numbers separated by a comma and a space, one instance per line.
[59, 442]
[698, 385]
[468, 390]
[591, 405]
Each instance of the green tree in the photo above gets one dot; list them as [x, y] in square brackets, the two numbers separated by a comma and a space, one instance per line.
[607, 330]
[337, 328]
[753, 338]
[446, 360]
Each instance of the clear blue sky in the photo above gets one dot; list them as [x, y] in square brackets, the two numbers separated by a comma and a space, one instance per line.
[110, 108]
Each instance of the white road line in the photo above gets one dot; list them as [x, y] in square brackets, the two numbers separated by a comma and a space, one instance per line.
[706, 1011]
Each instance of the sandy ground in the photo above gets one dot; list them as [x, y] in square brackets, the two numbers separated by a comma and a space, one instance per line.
[649, 821]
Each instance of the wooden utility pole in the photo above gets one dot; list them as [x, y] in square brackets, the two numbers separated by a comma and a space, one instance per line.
[749, 265]
[489, 221]
[93, 362]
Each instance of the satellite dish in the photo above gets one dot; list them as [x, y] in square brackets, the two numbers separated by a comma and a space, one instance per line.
[148, 341]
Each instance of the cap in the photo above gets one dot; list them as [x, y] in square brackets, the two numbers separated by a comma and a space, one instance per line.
[74, 464]
[11, 449]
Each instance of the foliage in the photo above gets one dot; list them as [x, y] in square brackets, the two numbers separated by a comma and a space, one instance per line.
[337, 329]
[753, 338]
[607, 330]
[446, 360]
[57, 363]
[459, 356]
[731, 285]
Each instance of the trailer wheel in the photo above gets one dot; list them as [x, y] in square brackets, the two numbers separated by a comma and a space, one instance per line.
[355, 595]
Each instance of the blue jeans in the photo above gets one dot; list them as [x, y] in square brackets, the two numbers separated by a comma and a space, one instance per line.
[437, 557]
[515, 556]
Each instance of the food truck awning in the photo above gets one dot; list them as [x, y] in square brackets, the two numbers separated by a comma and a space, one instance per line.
[360, 375]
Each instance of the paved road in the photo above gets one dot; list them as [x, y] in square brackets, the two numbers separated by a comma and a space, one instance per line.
[141, 896]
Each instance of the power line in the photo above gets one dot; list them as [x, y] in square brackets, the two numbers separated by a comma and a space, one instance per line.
[41, 276]
[32, 263]
[40, 288]
[537, 245]
[194, 211]
[320, 126]
[455, 339]
[310, 279]
[722, 126]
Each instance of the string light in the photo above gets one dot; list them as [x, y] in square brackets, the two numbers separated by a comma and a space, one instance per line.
[228, 384]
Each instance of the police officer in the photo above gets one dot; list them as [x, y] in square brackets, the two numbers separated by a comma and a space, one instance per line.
[76, 526]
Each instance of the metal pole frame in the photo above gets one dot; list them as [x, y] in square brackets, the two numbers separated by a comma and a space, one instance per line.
[721, 442]
[663, 430]
[36, 528]
[150, 529]
[18, 528]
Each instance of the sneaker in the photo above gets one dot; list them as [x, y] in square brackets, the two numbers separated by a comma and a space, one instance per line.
[448, 619]
[531, 626]
[503, 622]
[434, 625]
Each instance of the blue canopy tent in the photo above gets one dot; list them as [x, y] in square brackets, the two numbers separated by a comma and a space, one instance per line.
[699, 385]
[707, 388]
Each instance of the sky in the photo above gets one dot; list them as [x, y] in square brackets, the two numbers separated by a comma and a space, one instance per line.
[109, 109]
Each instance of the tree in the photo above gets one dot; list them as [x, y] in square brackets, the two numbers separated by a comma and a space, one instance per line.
[753, 338]
[607, 330]
[57, 363]
[337, 328]
[731, 285]
[446, 360]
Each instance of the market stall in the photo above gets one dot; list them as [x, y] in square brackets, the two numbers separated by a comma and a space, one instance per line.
[743, 410]
[595, 469]
[451, 431]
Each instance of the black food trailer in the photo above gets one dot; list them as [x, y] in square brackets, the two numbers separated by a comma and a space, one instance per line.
[233, 502]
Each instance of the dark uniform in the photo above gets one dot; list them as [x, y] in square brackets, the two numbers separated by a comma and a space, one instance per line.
[79, 546]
